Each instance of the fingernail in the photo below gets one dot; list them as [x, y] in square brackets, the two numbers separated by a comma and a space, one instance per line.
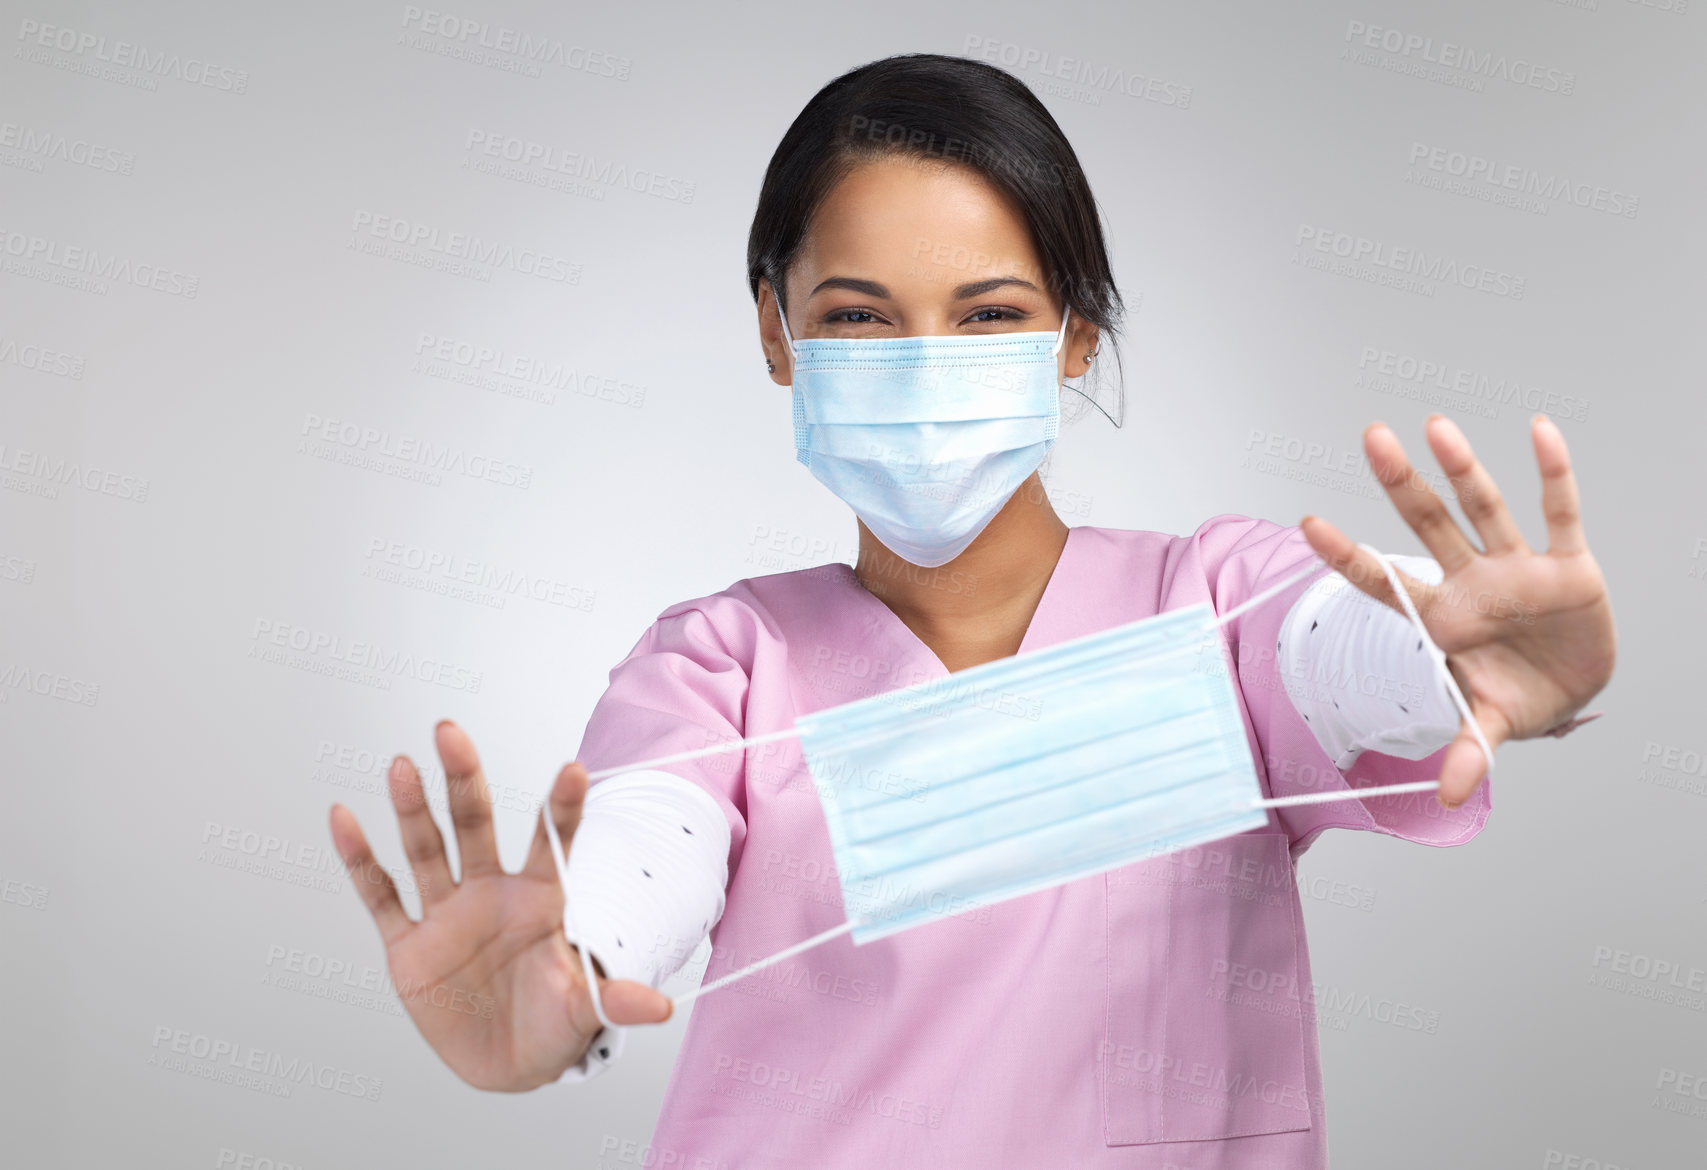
[443, 723]
[397, 769]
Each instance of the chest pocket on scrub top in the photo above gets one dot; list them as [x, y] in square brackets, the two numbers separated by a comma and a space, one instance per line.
[1204, 1018]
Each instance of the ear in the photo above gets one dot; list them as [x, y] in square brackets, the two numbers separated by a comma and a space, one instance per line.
[775, 349]
[1082, 338]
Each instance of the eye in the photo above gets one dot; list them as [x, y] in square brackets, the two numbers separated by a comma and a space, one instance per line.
[979, 316]
[853, 316]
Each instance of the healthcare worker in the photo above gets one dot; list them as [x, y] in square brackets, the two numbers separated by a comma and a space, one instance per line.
[924, 217]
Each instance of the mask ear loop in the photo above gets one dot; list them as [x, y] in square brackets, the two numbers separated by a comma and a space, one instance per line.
[1061, 340]
[783, 318]
[568, 914]
[1435, 653]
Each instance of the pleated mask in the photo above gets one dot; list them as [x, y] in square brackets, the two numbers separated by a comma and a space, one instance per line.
[1032, 770]
[926, 438]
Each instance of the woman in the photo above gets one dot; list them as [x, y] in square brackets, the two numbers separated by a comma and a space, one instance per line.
[923, 207]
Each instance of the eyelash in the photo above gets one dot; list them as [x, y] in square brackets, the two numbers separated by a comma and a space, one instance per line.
[1007, 315]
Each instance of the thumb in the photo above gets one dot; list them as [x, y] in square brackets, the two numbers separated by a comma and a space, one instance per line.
[1465, 765]
[628, 1002]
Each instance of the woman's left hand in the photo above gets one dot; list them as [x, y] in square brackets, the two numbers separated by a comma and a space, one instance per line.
[1527, 635]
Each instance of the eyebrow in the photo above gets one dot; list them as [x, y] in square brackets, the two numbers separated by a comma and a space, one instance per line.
[872, 288]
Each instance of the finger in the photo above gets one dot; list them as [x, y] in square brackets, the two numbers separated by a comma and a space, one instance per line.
[1465, 766]
[627, 1002]
[470, 804]
[1415, 500]
[1478, 495]
[1362, 569]
[563, 804]
[378, 892]
[1558, 488]
[421, 841]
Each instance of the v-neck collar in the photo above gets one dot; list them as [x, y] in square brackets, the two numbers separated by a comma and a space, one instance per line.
[1040, 631]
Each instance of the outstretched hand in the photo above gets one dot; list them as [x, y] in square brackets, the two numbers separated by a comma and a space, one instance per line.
[1528, 635]
[486, 974]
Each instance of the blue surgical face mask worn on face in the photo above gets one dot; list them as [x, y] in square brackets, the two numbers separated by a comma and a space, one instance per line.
[1037, 769]
[925, 438]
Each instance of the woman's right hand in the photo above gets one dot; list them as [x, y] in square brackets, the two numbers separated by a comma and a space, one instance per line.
[487, 974]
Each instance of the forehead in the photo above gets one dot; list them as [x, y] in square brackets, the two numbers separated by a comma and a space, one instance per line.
[898, 213]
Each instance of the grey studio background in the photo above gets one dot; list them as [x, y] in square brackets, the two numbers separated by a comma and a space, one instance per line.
[216, 358]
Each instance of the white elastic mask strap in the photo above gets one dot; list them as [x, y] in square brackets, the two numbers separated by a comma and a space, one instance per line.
[1436, 655]
[569, 913]
[1434, 652]
[782, 317]
[1061, 338]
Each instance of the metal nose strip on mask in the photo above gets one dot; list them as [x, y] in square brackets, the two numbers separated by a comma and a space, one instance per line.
[1435, 653]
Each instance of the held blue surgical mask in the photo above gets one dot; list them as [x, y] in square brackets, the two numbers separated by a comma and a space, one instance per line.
[925, 438]
[1032, 770]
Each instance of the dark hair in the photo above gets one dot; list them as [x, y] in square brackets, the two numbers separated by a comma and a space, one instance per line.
[954, 109]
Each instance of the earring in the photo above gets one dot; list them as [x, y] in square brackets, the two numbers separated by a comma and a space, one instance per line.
[1093, 353]
[770, 366]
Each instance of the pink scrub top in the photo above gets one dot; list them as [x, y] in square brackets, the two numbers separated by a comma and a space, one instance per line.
[1156, 1016]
